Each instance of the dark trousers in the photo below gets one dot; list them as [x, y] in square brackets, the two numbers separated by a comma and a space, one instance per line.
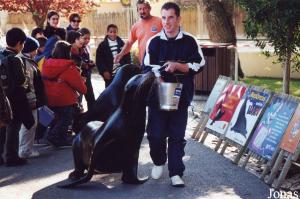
[63, 119]
[89, 96]
[171, 125]
[107, 82]
[9, 140]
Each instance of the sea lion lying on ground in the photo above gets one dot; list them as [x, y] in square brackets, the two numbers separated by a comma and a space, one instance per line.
[114, 145]
[109, 99]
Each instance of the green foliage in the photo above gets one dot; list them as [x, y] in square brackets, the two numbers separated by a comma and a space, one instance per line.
[279, 22]
[274, 84]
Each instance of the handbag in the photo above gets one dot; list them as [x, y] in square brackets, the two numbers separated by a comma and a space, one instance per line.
[46, 116]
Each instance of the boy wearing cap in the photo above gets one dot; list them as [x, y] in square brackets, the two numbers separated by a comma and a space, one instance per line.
[35, 96]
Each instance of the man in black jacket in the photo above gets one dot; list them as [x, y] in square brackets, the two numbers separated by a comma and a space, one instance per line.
[179, 52]
[9, 135]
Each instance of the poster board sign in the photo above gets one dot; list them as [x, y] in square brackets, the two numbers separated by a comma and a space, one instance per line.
[224, 108]
[291, 137]
[219, 86]
[246, 115]
[272, 126]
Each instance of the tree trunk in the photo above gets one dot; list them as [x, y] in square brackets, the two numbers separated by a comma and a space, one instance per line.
[218, 18]
[39, 20]
[287, 73]
[217, 15]
[287, 62]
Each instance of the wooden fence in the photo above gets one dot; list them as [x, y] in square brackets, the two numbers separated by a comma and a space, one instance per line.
[192, 21]
[98, 22]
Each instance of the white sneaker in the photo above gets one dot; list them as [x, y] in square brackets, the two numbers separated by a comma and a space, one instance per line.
[32, 154]
[157, 172]
[177, 181]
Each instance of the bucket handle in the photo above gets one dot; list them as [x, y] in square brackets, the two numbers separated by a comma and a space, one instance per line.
[161, 69]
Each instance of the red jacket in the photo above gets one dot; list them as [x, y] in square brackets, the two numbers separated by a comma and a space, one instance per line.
[62, 81]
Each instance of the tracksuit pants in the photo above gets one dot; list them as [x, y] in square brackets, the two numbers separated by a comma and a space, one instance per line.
[167, 128]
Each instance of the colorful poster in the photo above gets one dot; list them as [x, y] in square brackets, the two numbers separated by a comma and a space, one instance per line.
[291, 137]
[246, 115]
[216, 91]
[272, 126]
[224, 108]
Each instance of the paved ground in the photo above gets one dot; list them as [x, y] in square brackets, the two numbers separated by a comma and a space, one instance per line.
[208, 176]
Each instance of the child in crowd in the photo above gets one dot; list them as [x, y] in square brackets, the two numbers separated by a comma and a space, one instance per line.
[86, 66]
[40, 59]
[16, 93]
[106, 52]
[35, 96]
[62, 81]
[76, 40]
[42, 42]
[37, 33]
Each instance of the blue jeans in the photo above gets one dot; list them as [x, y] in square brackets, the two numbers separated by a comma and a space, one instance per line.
[171, 125]
[63, 119]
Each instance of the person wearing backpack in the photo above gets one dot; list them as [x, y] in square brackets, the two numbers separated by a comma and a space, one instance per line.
[63, 83]
[35, 95]
[16, 93]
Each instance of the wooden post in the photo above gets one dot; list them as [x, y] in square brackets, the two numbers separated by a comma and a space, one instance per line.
[224, 147]
[236, 64]
[284, 171]
[204, 137]
[275, 168]
[218, 144]
[239, 155]
[246, 160]
[202, 127]
[196, 129]
[233, 62]
[270, 163]
[198, 125]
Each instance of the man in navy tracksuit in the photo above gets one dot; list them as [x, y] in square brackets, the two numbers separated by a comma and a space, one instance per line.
[180, 52]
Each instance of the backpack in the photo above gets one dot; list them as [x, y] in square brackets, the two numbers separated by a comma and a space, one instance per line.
[6, 114]
[5, 109]
[7, 82]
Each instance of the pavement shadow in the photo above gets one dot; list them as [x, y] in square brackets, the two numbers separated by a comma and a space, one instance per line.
[47, 164]
[208, 175]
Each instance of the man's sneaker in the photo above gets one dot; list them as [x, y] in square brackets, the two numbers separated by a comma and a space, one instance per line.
[177, 181]
[157, 171]
[32, 154]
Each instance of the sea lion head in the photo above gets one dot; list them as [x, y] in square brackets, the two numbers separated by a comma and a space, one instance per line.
[137, 89]
[125, 72]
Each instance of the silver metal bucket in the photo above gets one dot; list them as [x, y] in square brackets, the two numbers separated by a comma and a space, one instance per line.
[169, 95]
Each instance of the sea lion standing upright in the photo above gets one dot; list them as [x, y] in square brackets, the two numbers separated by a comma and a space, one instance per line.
[109, 99]
[115, 145]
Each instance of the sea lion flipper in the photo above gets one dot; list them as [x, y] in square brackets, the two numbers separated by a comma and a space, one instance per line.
[82, 180]
[130, 176]
[134, 179]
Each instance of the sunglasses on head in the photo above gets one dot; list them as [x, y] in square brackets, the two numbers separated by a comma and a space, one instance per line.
[76, 21]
